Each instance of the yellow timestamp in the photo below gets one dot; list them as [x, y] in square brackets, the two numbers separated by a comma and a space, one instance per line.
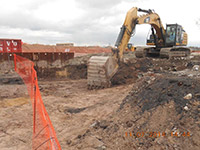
[156, 134]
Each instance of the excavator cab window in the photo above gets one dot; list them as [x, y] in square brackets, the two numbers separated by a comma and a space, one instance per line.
[179, 36]
[150, 40]
[170, 35]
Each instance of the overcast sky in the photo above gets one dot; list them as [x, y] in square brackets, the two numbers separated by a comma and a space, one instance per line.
[90, 22]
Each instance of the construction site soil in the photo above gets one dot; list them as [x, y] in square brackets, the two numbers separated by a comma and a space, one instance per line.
[154, 104]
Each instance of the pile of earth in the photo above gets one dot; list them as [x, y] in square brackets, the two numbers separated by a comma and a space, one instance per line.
[130, 69]
[155, 115]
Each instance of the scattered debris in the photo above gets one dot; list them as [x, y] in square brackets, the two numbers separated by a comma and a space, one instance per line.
[186, 108]
[188, 96]
[196, 67]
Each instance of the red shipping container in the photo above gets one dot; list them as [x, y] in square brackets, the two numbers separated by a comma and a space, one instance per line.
[10, 45]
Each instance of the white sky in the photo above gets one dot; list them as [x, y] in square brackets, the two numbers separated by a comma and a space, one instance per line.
[90, 22]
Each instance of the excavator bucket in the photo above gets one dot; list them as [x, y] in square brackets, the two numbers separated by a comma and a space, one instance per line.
[100, 70]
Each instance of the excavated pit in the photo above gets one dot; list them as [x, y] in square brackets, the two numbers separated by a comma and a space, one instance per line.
[147, 96]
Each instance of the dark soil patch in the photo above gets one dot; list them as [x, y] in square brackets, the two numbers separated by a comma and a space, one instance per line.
[74, 110]
[164, 90]
[153, 113]
[11, 80]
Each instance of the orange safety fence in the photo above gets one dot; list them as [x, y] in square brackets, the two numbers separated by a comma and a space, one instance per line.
[44, 136]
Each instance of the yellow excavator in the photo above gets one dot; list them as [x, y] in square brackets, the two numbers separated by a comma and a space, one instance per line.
[166, 43]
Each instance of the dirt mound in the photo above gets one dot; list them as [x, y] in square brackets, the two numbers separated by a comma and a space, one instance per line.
[164, 90]
[130, 69]
[155, 115]
[53, 48]
[133, 68]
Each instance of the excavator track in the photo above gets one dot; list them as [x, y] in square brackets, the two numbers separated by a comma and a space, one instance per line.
[100, 71]
[175, 52]
[169, 53]
[140, 52]
[165, 52]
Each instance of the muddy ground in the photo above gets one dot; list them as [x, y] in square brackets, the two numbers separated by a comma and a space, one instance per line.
[153, 104]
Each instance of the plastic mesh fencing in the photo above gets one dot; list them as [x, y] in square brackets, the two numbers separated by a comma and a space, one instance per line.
[44, 136]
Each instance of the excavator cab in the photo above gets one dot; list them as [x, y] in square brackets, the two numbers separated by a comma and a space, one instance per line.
[175, 35]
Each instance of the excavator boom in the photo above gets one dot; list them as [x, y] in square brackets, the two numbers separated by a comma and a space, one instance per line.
[102, 68]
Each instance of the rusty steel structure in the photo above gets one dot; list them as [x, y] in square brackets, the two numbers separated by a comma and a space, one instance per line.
[47, 64]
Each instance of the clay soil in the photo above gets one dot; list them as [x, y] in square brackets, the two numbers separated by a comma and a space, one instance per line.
[144, 109]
